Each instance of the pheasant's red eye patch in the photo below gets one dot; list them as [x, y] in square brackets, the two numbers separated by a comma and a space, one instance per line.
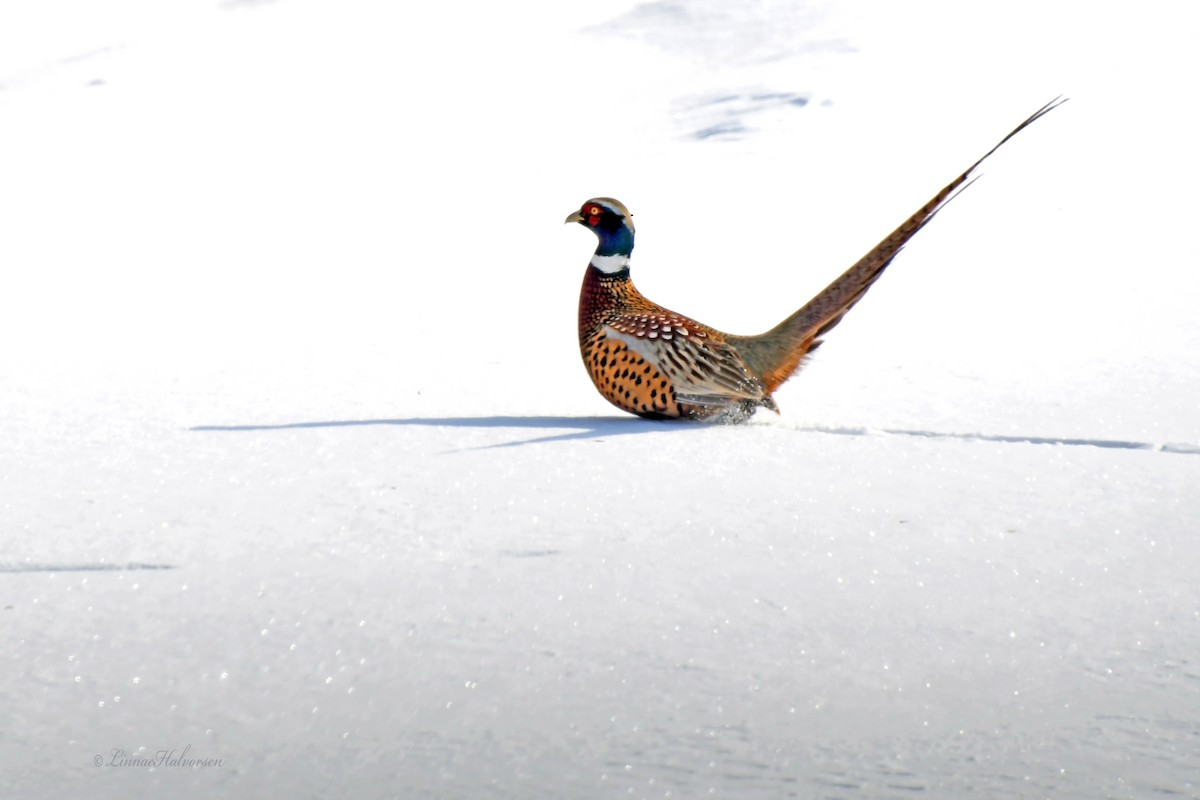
[593, 215]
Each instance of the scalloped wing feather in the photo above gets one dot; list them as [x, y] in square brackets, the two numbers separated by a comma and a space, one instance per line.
[702, 368]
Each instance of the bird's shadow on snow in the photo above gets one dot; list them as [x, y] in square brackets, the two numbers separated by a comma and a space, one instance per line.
[594, 428]
[600, 428]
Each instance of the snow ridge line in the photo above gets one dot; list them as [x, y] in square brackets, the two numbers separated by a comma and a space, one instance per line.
[1114, 444]
[98, 567]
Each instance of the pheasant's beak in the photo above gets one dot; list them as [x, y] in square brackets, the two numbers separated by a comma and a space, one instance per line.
[574, 216]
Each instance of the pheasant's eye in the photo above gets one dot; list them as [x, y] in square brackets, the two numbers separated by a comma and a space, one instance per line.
[594, 211]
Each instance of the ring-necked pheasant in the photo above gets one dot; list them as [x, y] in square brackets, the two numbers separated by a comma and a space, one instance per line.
[656, 363]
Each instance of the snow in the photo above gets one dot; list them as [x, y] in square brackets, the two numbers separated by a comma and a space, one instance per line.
[299, 470]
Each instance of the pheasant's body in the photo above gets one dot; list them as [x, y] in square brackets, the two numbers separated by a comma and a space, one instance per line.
[654, 362]
[650, 361]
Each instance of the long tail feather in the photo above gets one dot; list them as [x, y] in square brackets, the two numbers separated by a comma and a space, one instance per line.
[779, 352]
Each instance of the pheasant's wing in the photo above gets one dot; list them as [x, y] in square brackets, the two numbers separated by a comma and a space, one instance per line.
[703, 369]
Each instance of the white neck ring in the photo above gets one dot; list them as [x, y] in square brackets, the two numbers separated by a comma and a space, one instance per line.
[610, 265]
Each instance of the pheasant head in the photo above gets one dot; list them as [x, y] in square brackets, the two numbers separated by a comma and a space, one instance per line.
[613, 225]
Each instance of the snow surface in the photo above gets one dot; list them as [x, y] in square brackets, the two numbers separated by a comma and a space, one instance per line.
[299, 469]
